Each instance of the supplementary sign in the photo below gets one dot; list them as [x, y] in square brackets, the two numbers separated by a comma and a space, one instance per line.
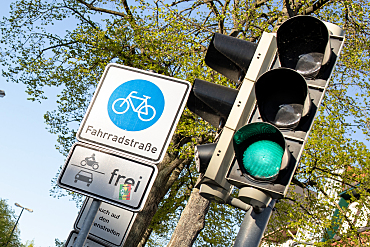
[89, 241]
[111, 226]
[135, 112]
[97, 173]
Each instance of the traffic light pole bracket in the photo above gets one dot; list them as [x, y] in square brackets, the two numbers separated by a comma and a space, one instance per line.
[240, 112]
[220, 195]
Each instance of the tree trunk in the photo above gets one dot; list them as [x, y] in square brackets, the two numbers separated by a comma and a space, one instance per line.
[145, 238]
[168, 171]
[191, 222]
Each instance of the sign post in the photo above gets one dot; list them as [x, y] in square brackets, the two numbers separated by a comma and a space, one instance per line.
[72, 238]
[90, 217]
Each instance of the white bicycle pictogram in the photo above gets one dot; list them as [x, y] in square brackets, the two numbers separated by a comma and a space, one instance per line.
[142, 109]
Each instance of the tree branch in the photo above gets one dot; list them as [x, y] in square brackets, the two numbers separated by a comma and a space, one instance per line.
[316, 6]
[112, 12]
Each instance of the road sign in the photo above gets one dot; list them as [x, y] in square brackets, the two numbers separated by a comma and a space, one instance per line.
[89, 241]
[135, 112]
[111, 226]
[98, 173]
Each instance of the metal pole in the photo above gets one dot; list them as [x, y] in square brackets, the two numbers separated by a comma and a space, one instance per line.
[86, 226]
[11, 234]
[253, 227]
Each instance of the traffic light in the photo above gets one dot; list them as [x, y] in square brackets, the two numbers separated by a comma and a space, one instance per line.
[224, 107]
[268, 148]
[230, 57]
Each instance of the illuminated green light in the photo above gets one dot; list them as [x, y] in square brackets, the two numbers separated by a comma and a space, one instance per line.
[259, 149]
[262, 159]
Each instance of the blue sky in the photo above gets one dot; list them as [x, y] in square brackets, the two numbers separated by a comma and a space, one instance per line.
[29, 161]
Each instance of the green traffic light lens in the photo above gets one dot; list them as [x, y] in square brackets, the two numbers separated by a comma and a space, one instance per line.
[262, 159]
[259, 149]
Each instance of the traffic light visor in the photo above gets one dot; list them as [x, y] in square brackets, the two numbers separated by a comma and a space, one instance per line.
[211, 101]
[303, 44]
[230, 56]
[282, 97]
[202, 156]
[259, 149]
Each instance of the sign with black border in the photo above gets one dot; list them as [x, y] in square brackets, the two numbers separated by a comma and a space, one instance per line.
[100, 173]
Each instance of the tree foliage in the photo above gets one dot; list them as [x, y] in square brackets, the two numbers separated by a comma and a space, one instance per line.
[59, 243]
[29, 243]
[7, 222]
[68, 43]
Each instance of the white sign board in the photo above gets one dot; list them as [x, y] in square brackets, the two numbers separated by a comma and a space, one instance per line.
[135, 112]
[89, 241]
[97, 173]
[111, 226]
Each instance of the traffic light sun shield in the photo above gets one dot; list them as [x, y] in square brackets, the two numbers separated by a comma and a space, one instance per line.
[211, 101]
[202, 156]
[304, 45]
[230, 56]
[282, 98]
[260, 151]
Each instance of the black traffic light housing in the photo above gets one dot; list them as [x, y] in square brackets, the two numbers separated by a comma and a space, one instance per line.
[303, 45]
[202, 155]
[287, 97]
[282, 98]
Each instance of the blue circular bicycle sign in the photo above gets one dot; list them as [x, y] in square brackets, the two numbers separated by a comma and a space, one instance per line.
[135, 105]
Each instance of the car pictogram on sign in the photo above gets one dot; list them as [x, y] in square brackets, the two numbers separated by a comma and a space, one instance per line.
[84, 176]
